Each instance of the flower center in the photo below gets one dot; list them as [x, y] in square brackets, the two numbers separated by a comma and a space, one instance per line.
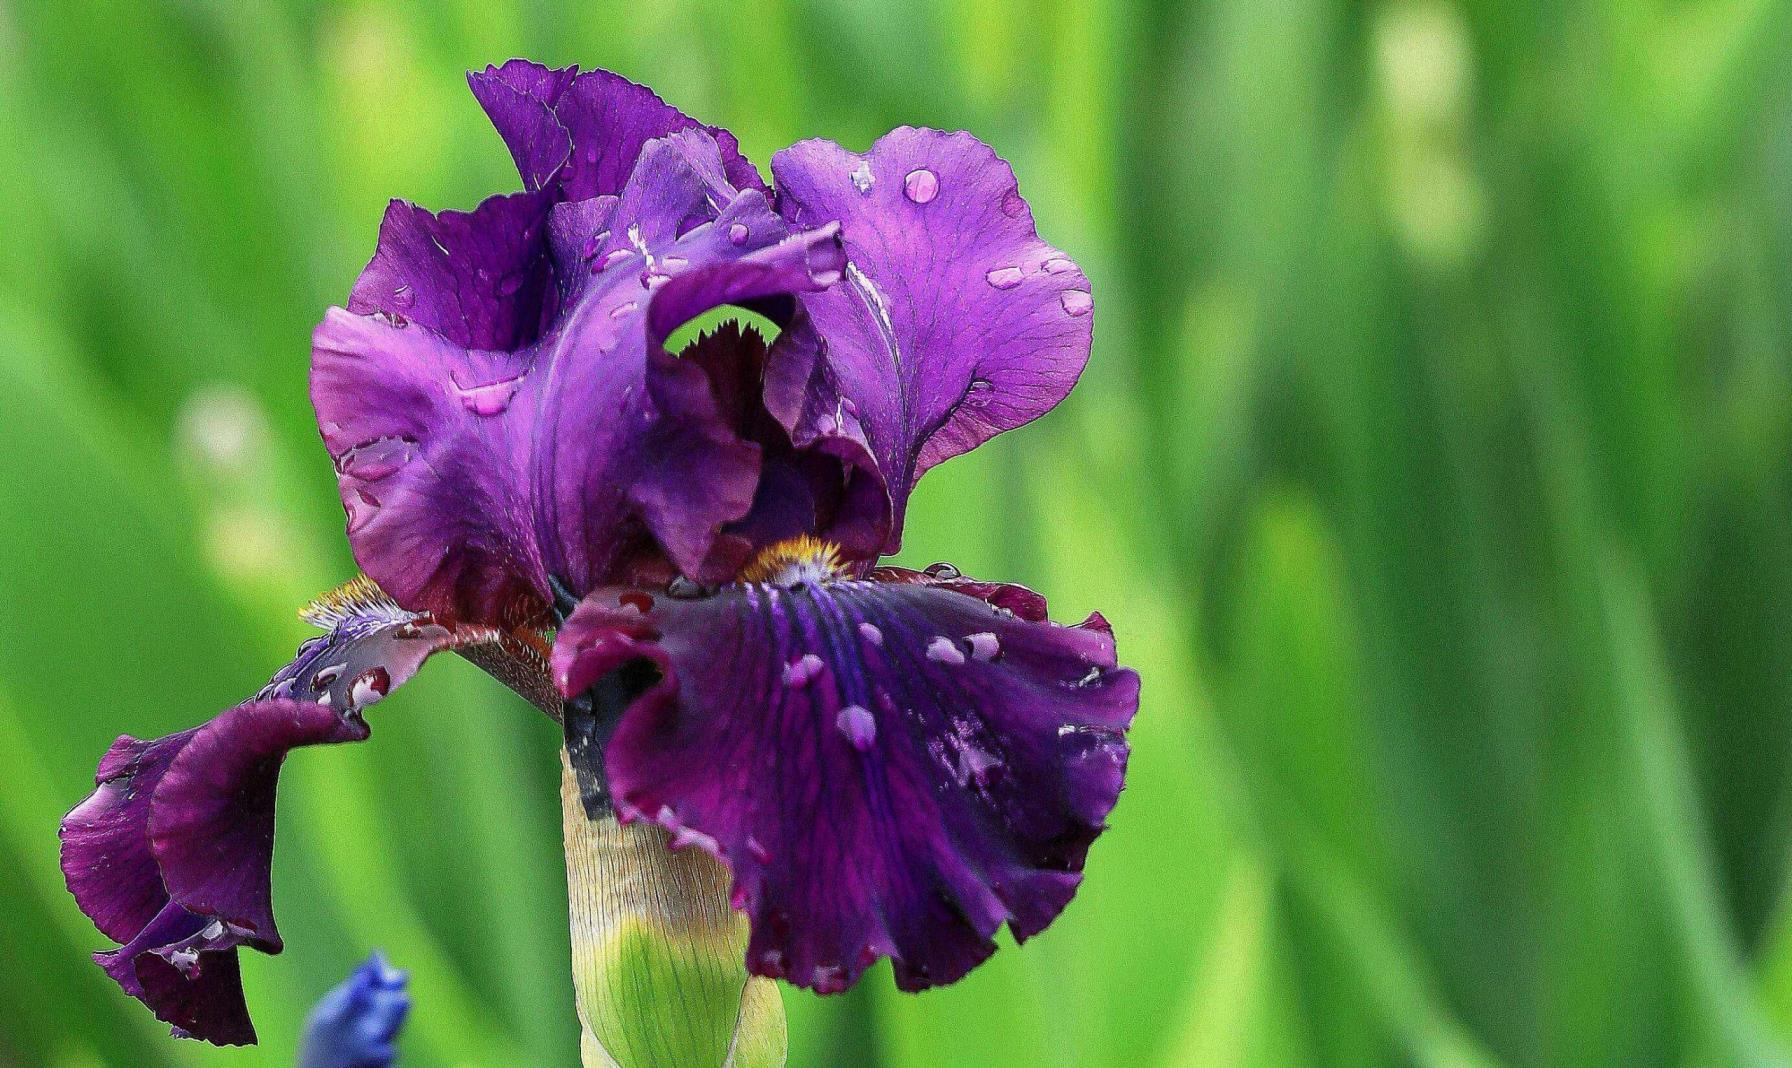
[795, 561]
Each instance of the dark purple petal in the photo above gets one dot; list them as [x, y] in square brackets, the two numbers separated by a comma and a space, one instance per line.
[954, 323]
[105, 841]
[185, 969]
[211, 824]
[888, 769]
[596, 122]
[171, 854]
[478, 278]
[472, 476]
[832, 490]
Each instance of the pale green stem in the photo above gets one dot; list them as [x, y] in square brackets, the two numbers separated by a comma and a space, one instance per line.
[658, 956]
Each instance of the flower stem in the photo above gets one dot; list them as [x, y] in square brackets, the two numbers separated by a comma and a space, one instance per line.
[657, 953]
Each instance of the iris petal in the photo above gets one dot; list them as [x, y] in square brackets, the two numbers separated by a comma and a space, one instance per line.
[954, 321]
[172, 853]
[889, 769]
[580, 133]
[470, 476]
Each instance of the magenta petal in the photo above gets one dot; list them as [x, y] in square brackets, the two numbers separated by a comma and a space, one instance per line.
[888, 769]
[594, 122]
[954, 322]
[171, 854]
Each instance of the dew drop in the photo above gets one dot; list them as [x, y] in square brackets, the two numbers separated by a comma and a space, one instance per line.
[326, 676]
[1004, 277]
[802, 670]
[942, 571]
[921, 185]
[623, 310]
[862, 179]
[1057, 265]
[738, 233]
[369, 687]
[855, 722]
[829, 979]
[825, 278]
[984, 645]
[1076, 302]
[404, 296]
[944, 650]
[825, 424]
[870, 633]
[616, 256]
[361, 508]
[491, 399]
[376, 459]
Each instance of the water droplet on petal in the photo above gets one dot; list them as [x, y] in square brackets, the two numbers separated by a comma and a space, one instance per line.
[403, 296]
[855, 722]
[921, 185]
[944, 650]
[369, 687]
[623, 310]
[1076, 302]
[490, 399]
[1004, 277]
[325, 676]
[738, 233]
[825, 278]
[509, 285]
[1057, 265]
[862, 179]
[617, 255]
[361, 508]
[942, 571]
[802, 670]
[825, 424]
[984, 645]
[376, 459]
[870, 633]
[829, 979]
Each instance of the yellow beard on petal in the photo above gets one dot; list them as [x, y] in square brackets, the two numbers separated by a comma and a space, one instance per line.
[793, 561]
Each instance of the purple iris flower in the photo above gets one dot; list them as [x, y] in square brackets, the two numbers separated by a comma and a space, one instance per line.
[677, 554]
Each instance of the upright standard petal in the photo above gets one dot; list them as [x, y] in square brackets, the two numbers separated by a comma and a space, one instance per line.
[888, 769]
[581, 133]
[954, 323]
[476, 479]
[171, 854]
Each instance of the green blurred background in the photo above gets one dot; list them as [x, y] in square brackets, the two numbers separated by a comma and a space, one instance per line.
[1434, 465]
